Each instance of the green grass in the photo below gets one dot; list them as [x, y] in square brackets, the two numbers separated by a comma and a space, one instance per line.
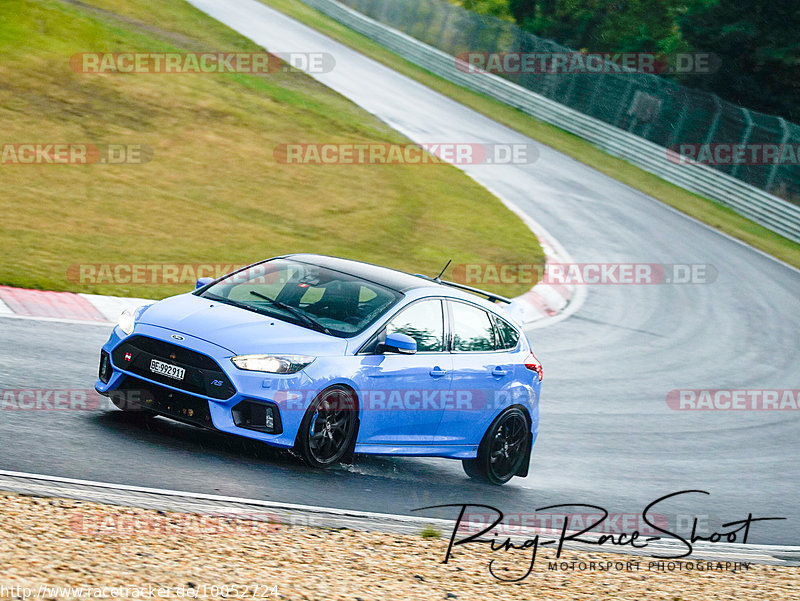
[703, 209]
[429, 531]
[213, 191]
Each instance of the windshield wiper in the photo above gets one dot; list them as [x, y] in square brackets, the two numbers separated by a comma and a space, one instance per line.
[296, 312]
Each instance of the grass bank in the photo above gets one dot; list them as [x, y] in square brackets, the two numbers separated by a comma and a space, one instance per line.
[212, 191]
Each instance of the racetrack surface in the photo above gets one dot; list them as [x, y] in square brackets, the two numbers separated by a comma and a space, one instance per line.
[607, 436]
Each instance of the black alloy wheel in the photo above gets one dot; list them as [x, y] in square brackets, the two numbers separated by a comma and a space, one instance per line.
[502, 449]
[328, 428]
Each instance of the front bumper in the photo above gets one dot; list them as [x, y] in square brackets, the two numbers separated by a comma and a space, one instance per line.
[213, 394]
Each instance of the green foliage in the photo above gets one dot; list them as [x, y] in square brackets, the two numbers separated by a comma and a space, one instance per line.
[430, 532]
[603, 25]
[755, 41]
[758, 44]
[496, 8]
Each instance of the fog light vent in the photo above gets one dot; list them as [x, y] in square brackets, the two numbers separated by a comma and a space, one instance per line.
[258, 416]
[105, 367]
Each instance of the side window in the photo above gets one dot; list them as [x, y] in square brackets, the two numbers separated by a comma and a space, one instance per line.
[472, 328]
[508, 333]
[424, 322]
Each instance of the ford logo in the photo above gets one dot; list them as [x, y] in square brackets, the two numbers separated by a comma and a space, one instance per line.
[177, 337]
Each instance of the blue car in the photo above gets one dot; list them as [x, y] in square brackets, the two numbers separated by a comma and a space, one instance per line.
[331, 357]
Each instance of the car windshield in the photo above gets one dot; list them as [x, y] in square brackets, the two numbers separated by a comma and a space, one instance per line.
[314, 297]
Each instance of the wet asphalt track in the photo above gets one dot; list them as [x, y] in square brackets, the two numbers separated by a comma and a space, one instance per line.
[607, 435]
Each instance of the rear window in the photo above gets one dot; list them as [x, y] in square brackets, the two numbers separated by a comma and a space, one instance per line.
[509, 336]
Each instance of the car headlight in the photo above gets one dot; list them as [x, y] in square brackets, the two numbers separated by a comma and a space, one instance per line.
[128, 317]
[272, 364]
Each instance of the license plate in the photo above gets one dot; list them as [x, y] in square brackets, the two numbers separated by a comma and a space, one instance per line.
[167, 369]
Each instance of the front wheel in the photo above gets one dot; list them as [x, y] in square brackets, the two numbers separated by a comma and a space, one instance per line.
[502, 450]
[328, 428]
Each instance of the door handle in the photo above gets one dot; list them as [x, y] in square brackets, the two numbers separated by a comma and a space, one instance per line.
[499, 372]
[437, 372]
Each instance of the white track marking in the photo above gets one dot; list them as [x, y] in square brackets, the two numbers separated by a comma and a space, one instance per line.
[83, 322]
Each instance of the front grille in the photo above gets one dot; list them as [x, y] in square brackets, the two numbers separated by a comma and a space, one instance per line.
[164, 401]
[202, 376]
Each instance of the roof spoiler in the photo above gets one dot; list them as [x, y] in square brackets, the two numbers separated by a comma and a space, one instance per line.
[495, 298]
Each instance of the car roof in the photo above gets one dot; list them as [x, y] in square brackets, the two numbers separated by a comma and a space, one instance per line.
[393, 278]
[390, 278]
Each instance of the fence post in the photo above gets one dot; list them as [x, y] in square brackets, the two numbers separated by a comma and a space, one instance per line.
[784, 139]
[713, 129]
[676, 132]
[597, 83]
[748, 130]
[623, 104]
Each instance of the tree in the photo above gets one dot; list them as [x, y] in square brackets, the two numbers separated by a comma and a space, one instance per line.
[496, 8]
[603, 25]
[758, 45]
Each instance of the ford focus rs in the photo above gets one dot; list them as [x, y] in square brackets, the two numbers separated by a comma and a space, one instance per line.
[331, 357]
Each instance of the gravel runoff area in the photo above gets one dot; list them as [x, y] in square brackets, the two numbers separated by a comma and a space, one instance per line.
[53, 548]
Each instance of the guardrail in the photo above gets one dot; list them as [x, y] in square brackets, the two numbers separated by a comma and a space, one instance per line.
[765, 209]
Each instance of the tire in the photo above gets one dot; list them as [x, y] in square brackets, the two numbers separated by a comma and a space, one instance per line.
[471, 469]
[328, 429]
[502, 450]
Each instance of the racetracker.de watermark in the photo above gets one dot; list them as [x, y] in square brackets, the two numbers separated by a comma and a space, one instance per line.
[455, 153]
[173, 524]
[719, 153]
[166, 273]
[719, 399]
[598, 63]
[430, 399]
[553, 523]
[201, 62]
[50, 399]
[63, 153]
[567, 274]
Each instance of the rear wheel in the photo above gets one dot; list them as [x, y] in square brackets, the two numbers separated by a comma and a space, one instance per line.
[328, 428]
[502, 450]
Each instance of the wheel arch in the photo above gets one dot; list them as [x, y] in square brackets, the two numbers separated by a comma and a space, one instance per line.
[523, 468]
[350, 453]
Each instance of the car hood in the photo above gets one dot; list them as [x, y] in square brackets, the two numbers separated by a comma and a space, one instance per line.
[240, 331]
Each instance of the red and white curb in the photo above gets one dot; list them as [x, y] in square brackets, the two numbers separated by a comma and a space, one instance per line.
[542, 305]
[63, 307]
[545, 304]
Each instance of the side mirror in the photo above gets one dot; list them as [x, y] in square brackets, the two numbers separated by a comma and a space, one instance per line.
[202, 282]
[398, 343]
